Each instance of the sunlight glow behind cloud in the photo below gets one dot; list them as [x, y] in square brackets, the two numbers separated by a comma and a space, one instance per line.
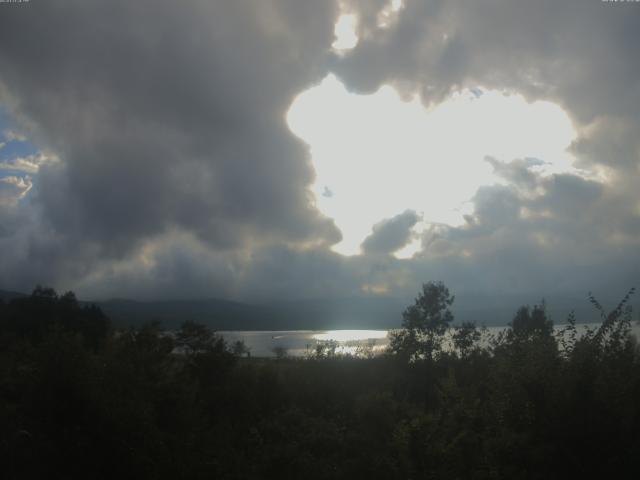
[376, 155]
[389, 13]
[345, 33]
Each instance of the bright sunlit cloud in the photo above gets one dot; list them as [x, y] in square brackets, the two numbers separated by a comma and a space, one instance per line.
[389, 13]
[345, 33]
[376, 156]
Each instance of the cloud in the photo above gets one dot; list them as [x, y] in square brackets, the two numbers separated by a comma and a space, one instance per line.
[13, 136]
[578, 54]
[391, 235]
[563, 234]
[532, 230]
[13, 188]
[169, 120]
[29, 164]
[178, 175]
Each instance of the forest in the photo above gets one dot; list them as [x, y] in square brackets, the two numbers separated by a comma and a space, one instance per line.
[82, 399]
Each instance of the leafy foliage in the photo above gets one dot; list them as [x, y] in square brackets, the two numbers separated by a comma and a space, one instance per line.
[459, 403]
[424, 323]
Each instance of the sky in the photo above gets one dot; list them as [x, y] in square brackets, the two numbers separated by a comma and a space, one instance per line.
[262, 150]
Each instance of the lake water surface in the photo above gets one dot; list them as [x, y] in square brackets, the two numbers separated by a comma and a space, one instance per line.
[299, 343]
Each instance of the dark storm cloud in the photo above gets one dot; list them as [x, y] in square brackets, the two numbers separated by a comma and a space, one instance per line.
[581, 54]
[167, 115]
[560, 235]
[179, 178]
[177, 266]
[391, 234]
[610, 141]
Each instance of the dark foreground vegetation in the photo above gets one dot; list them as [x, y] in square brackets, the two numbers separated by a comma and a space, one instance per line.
[80, 400]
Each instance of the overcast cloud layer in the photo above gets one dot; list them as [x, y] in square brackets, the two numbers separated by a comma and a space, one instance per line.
[165, 167]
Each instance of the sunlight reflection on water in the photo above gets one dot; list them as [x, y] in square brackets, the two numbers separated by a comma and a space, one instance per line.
[301, 343]
[350, 335]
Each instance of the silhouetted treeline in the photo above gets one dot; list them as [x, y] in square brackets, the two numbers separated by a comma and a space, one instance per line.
[80, 400]
[35, 318]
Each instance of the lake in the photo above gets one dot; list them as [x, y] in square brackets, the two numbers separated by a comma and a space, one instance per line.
[299, 343]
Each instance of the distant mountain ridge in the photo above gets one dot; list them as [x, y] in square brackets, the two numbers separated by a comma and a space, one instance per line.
[319, 314]
[7, 295]
[229, 315]
[218, 314]
[368, 313]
